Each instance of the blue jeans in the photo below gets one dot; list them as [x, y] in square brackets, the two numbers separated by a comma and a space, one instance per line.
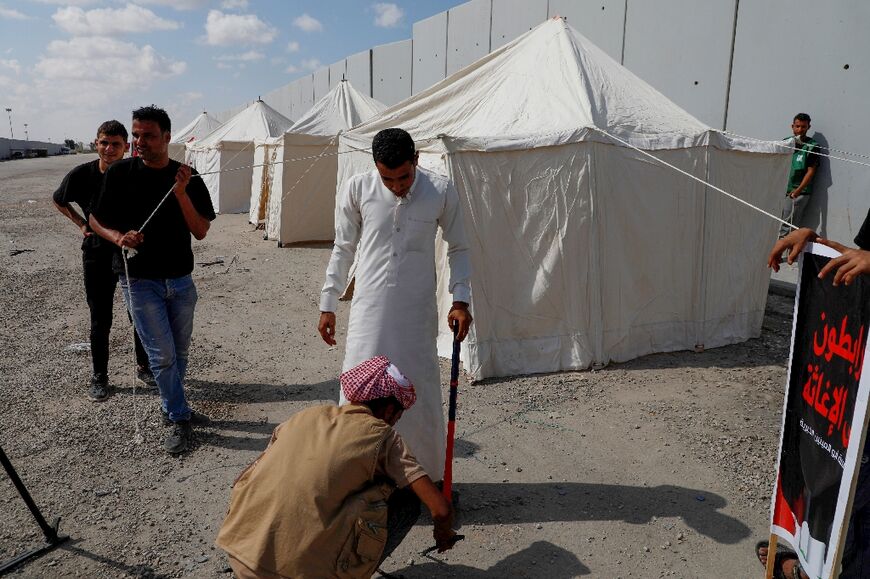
[163, 312]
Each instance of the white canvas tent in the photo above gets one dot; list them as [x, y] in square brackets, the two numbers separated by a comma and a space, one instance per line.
[231, 146]
[196, 129]
[585, 251]
[296, 199]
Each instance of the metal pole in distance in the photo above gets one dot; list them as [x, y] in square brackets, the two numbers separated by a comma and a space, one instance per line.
[50, 531]
[447, 488]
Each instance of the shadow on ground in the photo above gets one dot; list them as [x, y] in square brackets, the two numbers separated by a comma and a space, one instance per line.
[513, 503]
[540, 559]
[259, 393]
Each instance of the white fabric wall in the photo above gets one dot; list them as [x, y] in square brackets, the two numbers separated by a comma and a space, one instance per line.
[265, 155]
[230, 190]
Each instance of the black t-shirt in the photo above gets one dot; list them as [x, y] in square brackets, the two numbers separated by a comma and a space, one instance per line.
[863, 237]
[81, 186]
[129, 195]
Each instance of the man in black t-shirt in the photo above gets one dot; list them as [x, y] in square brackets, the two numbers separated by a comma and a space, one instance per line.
[151, 204]
[80, 186]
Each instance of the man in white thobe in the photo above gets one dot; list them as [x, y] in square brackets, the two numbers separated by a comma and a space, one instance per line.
[391, 214]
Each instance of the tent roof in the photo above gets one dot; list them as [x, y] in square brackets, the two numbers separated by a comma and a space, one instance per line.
[549, 86]
[198, 128]
[340, 109]
[258, 121]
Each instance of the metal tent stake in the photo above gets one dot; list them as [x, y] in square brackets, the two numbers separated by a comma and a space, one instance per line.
[50, 531]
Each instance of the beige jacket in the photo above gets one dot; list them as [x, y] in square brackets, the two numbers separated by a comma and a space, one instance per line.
[312, 505]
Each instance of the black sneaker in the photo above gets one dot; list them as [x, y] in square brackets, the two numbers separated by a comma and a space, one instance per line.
[196, 418]
[99, 388]
[179, 439]
[144, 375]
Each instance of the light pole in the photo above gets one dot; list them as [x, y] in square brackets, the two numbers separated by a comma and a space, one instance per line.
[9, 112]
[26, 137]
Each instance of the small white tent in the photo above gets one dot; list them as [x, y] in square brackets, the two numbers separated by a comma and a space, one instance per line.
[584, 250]
[196, 129]
[230, 149]
[296, 199]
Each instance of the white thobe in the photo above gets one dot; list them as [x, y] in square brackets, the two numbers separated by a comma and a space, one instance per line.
[393, 311]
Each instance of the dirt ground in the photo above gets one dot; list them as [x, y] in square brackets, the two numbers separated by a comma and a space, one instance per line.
[661, 467]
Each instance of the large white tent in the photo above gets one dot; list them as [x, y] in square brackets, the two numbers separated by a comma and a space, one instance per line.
[196, 129]
[230, 149]
[296, 198]
[585, 250]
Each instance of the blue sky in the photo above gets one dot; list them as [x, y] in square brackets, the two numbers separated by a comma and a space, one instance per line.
[68, 65]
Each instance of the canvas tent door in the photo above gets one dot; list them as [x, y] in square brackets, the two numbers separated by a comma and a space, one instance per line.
[230, 189]
[302, 200]
[588, 253]
[266, 153]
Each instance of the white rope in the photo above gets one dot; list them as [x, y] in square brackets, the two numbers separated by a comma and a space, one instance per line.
[137, 436]
[784, 145]
[311, 166]
[698, 179]
[862, 155]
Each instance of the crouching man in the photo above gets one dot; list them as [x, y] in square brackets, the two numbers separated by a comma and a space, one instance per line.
[336, 490]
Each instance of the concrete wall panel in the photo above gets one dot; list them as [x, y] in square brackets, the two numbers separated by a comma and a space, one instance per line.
[824, 73]
[391, 72]
[337, 71]
[429, 51]
[602, 22]
[306, 95]
[511, 18]
[281, 100]
[321, 83]
[467, 33]
[359, 71]
[682, 51]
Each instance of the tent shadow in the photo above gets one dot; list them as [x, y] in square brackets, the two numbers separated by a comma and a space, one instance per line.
[540, 559]
[215, 434]
[515, 503]
[224, 392]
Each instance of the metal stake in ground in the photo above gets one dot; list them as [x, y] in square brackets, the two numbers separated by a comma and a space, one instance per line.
[447, 488]
[52, 539]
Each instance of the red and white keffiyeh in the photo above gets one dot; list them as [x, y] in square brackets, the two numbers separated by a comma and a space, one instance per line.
[377, 378]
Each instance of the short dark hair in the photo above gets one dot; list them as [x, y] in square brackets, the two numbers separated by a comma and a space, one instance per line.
[112, 129]
[155, 114]
[802, 117]
[378, 405]
[392, 147]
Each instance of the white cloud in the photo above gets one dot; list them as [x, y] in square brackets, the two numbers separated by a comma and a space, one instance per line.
[11, 64]
[308, 23]
[227, 29]
[10, 14]
[110, 21]
[292, 46]
[224, 66]
[92, 71]
[388, 14]
[311, 63]
[291, 69]
[248, 56]
[234, 4]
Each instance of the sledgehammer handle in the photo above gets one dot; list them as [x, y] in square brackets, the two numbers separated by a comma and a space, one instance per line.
[447, 488]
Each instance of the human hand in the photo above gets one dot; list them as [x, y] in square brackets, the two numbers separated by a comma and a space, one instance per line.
[445, 536]
[86, 231]
[848, 266]
[794, 242]
[182, 178]
[459, 313]
[794, 194]
[326, 327]
[130, 239]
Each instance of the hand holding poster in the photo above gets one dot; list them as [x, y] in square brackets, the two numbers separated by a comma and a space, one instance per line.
[824, 416]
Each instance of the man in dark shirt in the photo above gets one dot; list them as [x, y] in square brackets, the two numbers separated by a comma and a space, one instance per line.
[80, 186]
[804, 162]
[153, 193]
[846, 268]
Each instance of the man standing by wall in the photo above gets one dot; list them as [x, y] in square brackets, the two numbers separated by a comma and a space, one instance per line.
[393, 213]
[158, 288]
[81, 186]
[804, 163]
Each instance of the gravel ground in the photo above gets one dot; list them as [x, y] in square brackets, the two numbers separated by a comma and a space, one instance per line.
[660, 467]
